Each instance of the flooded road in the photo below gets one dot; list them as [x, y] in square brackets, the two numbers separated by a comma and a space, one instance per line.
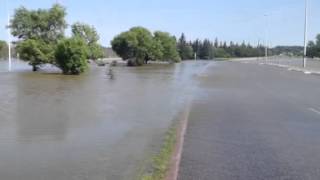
[97, 126]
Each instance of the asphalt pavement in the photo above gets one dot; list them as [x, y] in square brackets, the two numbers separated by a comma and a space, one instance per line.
[253, 122]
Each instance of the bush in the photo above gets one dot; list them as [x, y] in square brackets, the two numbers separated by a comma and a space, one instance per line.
[71, 56]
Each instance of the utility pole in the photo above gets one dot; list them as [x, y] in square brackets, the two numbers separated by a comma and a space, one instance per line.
[305, 34]
[9, 39]
[258, 48]
[266, 40]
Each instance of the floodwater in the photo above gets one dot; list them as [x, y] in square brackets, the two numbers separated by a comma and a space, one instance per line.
[101, 125]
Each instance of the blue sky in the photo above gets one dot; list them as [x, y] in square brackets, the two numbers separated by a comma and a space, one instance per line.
[235, 20]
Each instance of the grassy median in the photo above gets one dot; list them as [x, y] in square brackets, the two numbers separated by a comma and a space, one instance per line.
[161, 162]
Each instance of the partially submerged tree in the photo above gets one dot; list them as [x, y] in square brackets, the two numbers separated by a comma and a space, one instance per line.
[71, 55]
[36, 52]
[134, 45]
[139, 45]
[38, 31]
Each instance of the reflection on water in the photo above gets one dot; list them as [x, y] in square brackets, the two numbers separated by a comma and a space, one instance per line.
[95, 126]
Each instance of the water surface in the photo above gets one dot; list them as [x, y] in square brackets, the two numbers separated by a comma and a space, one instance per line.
[94, 126]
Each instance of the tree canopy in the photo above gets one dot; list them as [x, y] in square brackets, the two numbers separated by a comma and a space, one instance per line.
[90, 37]
[45, 24]
[168, 46]
[139, 45]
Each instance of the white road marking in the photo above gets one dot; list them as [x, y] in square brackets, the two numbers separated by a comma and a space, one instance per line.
[307, 72]
[314, 110]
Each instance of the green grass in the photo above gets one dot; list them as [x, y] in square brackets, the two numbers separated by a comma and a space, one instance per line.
[161, 162]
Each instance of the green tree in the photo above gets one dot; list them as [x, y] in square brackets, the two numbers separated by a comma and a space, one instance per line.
[91, 37]
[38, 32]
[71, 56]
[134, 45]
[206, 50]
[169, 46]
[45, 24]
[196, 46]
[216, 43]
[156, 50]
[185, 49]
[312, 49]
[3, 49]
[36, 52]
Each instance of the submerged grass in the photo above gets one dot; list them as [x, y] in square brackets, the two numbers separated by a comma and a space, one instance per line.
[161, 162]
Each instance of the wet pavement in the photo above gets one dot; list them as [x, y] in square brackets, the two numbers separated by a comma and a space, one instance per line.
[253, 122]
[288, 62]
[100, 125]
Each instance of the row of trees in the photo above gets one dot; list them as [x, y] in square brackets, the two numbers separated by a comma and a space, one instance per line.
[314, 48]
[139, 45]
[41, 39]
[207, 49]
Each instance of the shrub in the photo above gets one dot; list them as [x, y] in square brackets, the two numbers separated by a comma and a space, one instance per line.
[71, 56]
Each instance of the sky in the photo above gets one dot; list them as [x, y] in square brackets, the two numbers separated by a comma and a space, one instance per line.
[281, 22]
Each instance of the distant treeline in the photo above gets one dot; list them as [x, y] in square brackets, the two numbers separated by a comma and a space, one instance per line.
[207, 49]
[109, 53]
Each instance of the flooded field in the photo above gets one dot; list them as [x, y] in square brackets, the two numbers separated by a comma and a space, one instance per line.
[100, 125]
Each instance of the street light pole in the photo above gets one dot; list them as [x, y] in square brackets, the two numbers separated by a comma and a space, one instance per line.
[9, 39]
[305, 34]
[266, 40]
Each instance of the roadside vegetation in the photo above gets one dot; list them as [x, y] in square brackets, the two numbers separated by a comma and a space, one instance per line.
[161, 162]
[314, 48]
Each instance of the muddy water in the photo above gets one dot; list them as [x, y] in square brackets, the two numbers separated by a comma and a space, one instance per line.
[95, 126]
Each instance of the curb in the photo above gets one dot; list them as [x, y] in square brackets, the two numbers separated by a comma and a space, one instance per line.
[175, 161]
[289, 68]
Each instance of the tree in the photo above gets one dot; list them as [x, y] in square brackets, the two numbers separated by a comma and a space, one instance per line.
[206, 51]
[156, 51]
[45, 24]
[169, 46]
[3, 49]
[71, 56]
[91, 37]
[185, 49]
[216, 43]
[134, 45]
[314, 48]
[38, 32]
[36, 52]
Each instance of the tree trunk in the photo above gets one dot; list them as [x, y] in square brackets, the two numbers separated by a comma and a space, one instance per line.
[34, 68]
